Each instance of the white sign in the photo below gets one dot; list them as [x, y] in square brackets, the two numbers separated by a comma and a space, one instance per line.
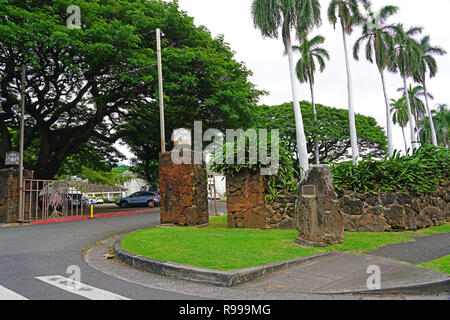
[12, 158]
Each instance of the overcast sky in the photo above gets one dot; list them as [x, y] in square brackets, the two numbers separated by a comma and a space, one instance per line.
[265, 58]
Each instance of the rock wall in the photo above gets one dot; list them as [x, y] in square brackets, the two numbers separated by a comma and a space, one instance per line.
[184, 192]
[9, 194]
[280, 213]
[246, 200]
[248, 208]
[399, 211]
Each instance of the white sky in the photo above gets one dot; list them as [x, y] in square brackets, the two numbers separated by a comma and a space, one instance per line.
[265, 58]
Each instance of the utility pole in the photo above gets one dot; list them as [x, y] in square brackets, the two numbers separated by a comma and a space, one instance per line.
[161, 93]
[21, 217]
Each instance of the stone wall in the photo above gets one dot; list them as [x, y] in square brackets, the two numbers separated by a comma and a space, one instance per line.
[248, 208]
[184, 192]
[399, 211]
[280, 213]
[9, 194]
[246, 200]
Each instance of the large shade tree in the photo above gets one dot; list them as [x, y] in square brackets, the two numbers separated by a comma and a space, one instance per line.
[348, 14]
[332, 131]
[428, 67]
[84, 85]
[379, 49]
[312, 56]
[269, 16]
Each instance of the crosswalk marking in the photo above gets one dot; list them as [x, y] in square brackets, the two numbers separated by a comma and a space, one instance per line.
[6, 294]
[80, 288]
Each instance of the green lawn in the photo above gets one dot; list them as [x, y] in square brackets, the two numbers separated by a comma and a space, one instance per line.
[217, 247]
[441, 265]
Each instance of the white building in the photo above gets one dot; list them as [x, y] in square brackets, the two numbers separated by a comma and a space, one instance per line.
[220, 184]
[134, 184]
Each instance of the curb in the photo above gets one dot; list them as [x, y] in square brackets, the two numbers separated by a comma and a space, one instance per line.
[437, 287]
[215, 277]
[97, 216]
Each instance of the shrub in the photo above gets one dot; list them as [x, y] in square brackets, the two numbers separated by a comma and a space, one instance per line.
[421, 172]
[283, 183]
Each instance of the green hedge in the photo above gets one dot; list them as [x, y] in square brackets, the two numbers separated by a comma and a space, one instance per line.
[421, 172]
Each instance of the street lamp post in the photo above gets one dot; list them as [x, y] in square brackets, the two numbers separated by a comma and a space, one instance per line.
[161, 93]
[21, 146]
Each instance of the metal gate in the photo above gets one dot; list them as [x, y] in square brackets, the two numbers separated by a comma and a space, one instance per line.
[47, 199]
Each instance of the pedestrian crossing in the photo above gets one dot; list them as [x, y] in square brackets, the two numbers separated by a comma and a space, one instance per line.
[6, 294]
[68, 285]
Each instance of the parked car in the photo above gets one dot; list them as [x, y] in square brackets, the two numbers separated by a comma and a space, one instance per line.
[98, 201]
[213, 195]
[140, 199]
[110, 200]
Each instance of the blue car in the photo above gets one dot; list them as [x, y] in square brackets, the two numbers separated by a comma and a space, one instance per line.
[140, 199]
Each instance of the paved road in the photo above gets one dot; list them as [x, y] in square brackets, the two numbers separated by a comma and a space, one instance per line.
[34, 262]
[423, 249]
[27, 254]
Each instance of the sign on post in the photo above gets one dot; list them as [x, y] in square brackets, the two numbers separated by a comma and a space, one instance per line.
[12, 158]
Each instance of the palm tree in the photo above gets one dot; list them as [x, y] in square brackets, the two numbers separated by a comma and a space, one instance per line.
[417, 106]
[302, 15]
[399, 112]
[428, 65]
[407, 56]
[347, 11]
[311, 52]
[381, 44]
[441, 120]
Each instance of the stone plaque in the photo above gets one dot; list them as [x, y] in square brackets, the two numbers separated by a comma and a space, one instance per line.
[12, 158]
[309, 190]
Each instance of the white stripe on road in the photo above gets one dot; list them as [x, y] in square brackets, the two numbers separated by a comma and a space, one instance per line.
[6, 294]
[80, 288]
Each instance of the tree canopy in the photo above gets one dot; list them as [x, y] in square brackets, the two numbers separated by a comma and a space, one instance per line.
[333, 133]
[88, 86]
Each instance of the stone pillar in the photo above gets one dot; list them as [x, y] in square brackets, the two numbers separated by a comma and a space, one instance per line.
[320, 222]
[184, 194]
[9, 194]
[246, 200]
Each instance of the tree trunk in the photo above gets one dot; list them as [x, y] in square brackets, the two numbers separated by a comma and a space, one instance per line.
[351, 111]
[430, 116]
[404, 141]
[412, 122]
[316, 142]
[388, 118]
[301, 139]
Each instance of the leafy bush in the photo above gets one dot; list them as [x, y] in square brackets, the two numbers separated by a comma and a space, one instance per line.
[283, 183]
[421, 172]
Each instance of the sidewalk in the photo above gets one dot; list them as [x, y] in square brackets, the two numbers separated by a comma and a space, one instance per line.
[334, 276]
[423, 249]
[340, 272]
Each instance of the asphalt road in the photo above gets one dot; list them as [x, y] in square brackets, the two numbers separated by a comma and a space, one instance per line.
[48, 250]
[423, 249]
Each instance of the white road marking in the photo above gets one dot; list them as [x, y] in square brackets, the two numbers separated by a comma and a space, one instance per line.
[80, 288]
[6, 294]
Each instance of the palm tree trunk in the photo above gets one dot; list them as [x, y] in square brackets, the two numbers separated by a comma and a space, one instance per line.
[404, 140]
[351, 111]
[316, 142]
[430, 116]
[388, 118]
[412, 122]
[301, 139]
